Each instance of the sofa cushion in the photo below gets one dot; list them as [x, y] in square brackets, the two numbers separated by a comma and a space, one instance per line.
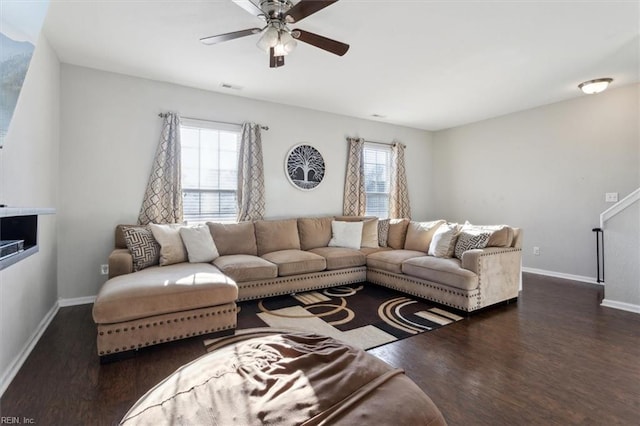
[244, 267]
[443, 243]
[370, 233]
[340, 257]
[234, 238]
[346, 234]
[199, 244]
[314, 232]
[368, 250]
[161, 290]
[294, 262]
[172, 249]
[440, 270]
[419, 235]
[397, 233]
[144, 249]
[276, 235]
[391, 260]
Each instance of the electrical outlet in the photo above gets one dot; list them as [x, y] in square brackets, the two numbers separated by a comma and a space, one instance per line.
[536, 251]
[104, 269]
[611, 197]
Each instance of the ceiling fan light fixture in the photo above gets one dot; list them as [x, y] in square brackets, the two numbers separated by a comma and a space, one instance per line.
[270, 38]
[595, 86]
[288, 42]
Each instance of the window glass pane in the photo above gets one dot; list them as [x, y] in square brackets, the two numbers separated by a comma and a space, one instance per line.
[229, 141]
[228, 160]
[377, 179]
[209, 173]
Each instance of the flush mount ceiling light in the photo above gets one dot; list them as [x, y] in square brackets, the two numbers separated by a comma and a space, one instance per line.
[595, 86]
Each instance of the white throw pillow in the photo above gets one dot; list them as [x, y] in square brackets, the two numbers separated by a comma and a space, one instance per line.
[171, 248]
[443, 242]
[199, 244]
[370, 233]
[346, 234]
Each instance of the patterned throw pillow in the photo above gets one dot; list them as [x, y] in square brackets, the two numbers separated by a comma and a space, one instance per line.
[144, 249]
[383, 232]
[469, 241]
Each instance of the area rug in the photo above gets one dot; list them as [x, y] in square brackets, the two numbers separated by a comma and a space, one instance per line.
[363, 315]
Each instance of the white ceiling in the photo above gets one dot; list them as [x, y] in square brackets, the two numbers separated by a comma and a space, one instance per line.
[424, 64]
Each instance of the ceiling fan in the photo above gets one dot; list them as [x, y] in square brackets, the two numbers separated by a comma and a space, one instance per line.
[277, 38]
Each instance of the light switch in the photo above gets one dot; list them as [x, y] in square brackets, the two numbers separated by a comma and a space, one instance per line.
[611, 197]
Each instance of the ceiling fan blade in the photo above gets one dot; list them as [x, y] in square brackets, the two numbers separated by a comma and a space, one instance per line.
[306, 8]
[250, 7]
[229, 36]
[324, 43]
[275, 61]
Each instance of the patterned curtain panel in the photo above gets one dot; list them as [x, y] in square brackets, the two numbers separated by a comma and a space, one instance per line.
[399, 200]
[162, 201]
[251, 203]
[355, 200]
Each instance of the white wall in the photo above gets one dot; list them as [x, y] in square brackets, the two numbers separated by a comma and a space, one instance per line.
[110, 131]
[545, 170]
[28, 178]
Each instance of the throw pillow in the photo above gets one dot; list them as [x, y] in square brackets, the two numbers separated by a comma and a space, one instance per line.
[501, 235]
[171, 247]
[383, 232]
[469, 241]
[443, 243]
[346, 234]
[144, 249]
[419, 235]
[199, 244]
[370, 233]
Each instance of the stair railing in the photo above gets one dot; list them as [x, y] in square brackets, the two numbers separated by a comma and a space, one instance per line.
[604, 217]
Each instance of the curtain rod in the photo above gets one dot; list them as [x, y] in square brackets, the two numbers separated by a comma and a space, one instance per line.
[163, 115]
[384, 143]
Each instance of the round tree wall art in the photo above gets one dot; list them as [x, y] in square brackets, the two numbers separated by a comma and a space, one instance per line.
[304, 167]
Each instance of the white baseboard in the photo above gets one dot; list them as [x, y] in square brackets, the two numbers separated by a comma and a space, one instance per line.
[76, 301]
[562, 275]
[620, 305]
[14, 367]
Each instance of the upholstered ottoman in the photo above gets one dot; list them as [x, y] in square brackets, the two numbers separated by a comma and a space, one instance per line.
[285, 379]
[163, 303]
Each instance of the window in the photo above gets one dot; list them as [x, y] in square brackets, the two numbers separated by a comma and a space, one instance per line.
[209, 170]
[377, 179]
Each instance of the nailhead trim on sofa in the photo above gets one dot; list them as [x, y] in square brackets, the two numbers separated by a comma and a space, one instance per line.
[112, 337]
[468, 297]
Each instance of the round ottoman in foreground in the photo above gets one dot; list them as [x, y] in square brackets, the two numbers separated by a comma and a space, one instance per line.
[284, 378]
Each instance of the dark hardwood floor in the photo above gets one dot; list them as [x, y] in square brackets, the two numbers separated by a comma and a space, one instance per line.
[555, 357]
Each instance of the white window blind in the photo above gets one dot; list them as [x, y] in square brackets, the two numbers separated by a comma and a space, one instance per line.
[377, 179]
[209, 170]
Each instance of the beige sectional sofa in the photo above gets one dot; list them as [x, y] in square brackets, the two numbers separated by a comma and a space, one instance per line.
[273, 257]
